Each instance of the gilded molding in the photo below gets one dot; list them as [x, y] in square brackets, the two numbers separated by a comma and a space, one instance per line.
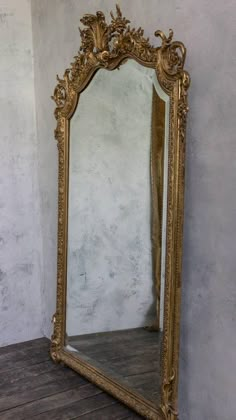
[106, 45]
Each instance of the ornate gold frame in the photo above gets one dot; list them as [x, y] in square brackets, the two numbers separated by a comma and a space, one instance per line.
[106, 45]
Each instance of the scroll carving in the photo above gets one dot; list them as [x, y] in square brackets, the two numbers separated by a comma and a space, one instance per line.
[105, 45]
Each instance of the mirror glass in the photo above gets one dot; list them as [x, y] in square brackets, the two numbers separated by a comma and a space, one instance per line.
[116, 226]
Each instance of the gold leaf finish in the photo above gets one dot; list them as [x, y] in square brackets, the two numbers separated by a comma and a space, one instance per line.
[106, 45]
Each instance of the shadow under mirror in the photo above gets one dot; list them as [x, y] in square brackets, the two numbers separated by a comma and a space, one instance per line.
[117, 226]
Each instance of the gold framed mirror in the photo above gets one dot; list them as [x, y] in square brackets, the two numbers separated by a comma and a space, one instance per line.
[121, 118]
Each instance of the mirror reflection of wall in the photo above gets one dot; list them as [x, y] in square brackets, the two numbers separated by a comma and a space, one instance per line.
[110, 280]
[110, 283]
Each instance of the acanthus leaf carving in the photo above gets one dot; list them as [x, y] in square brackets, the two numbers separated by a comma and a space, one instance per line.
[167, 407]
[55, 339]
[103, 44]
[95, 37]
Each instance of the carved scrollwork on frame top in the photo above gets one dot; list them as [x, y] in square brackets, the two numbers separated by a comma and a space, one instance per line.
[105, 45]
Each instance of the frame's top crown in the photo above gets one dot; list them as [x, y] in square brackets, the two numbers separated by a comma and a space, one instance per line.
[107, 44]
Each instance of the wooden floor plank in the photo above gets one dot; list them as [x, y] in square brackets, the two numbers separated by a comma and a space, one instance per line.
[13, 376]
[78, 409]
[33, 387]
[23, 363]
[50, 388]
[25, 385]
[26, 345]
[56, 401]
[113, 412]
[24, 356]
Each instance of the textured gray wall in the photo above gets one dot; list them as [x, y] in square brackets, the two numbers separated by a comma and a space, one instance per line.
[208, 356]
[208, 339]
[20, 230]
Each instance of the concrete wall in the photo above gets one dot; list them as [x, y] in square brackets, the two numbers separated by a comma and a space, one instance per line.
[20, 231]
[208, 357]
[208, 339]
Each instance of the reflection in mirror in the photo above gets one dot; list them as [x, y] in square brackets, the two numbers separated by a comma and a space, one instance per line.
[116, 226]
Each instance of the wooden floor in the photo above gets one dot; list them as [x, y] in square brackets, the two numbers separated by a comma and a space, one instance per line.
[33, 387]
[132, 357]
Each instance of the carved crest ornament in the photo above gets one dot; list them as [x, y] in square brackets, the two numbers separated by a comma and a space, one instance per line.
[106, 45]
